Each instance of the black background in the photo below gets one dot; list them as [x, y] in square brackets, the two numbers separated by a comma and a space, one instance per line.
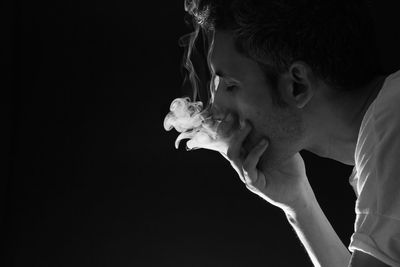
[91, 178]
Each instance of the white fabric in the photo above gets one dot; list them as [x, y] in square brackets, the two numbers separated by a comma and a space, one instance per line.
[376, 177]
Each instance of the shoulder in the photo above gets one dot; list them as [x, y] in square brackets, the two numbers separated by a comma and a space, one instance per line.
[361, 259]
[387, 101]
[386, 107]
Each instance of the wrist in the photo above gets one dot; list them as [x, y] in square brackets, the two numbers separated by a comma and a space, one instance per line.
[304, 203]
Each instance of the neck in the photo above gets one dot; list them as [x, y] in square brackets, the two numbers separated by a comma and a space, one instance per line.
[339, 116]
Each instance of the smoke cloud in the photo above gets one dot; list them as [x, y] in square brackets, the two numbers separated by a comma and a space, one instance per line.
[190, 118]
[196, 124]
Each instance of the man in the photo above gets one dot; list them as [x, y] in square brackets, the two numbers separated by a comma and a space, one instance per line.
[305, 74]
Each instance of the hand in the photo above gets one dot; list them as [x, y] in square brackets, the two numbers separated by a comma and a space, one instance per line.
[283, 186]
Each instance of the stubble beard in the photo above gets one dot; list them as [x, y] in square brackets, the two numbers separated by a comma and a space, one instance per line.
[285, 141]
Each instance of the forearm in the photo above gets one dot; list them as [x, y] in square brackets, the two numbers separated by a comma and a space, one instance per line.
[323, 245]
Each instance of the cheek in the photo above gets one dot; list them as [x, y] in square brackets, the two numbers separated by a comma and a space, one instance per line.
[258, 109]
[272, 123]
[261, 123]
[254, 106]
[288, 126]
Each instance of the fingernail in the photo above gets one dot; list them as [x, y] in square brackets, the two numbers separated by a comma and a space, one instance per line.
[263, 142]
[242, 124]
[229, 117]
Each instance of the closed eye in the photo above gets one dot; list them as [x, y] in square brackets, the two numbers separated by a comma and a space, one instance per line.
[230, 88]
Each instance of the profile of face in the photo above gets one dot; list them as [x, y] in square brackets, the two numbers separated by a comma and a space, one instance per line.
[242, 90]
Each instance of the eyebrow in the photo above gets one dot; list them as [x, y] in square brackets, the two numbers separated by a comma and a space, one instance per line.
[220, 73]
[224, 75]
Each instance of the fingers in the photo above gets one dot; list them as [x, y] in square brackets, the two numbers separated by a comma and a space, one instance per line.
[234, 153]
[244, 165]
[250, 171]
[236, 143]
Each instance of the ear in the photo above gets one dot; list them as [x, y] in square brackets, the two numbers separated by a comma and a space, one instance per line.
[299, 87]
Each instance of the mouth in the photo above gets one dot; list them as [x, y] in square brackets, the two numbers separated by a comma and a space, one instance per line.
[220, 122]
[227, 125]
[217, 119]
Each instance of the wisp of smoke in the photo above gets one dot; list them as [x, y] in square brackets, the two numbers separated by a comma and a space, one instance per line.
[190, 118]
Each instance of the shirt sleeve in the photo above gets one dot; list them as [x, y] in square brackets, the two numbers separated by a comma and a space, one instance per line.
[377, 226]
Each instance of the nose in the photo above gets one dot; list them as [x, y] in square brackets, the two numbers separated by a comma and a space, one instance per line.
[217, 113]
[219, 106]
[222, 104]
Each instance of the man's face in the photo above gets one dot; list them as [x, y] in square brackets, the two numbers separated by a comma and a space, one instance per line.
[244, 91]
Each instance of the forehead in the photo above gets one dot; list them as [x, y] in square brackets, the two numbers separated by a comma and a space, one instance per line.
[223, 49]
[225, 58]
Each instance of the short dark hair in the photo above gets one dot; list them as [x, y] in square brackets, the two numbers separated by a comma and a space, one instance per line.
[336, 38]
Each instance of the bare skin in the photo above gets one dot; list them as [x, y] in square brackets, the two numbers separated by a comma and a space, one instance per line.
[318, 119]
[339, 119]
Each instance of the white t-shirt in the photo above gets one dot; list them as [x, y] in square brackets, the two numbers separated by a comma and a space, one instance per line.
[376, 177]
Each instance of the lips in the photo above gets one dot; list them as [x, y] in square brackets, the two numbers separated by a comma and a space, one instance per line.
[218, 118]
[227, 125]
